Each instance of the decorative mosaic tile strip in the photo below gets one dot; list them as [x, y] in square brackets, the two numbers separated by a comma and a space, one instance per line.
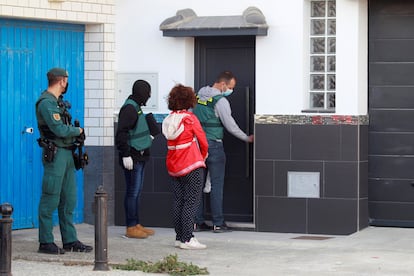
[300, 119]
[312, 119]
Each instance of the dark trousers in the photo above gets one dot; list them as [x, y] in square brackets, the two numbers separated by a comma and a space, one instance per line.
[187, 195]
[58, 191]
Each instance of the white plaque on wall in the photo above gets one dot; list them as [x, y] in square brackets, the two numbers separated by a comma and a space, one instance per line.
[123, 88]
[303, 184]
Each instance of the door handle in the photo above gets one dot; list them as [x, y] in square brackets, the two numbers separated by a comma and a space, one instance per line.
[28, 130]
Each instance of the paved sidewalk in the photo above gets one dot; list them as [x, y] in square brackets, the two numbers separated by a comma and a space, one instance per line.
[372, 251]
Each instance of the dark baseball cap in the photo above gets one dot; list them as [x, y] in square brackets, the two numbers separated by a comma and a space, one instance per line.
[58, 72]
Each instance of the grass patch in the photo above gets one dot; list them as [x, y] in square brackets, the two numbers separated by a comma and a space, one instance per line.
[169, 264]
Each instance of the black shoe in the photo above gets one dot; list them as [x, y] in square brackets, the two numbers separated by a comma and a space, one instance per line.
[50, 248]
[201, 227]
[77, 246]
[221, 229]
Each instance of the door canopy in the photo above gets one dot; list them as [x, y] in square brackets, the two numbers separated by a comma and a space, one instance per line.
[186, 23]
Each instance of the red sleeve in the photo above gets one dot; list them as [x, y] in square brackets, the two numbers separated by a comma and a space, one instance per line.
[201, 136]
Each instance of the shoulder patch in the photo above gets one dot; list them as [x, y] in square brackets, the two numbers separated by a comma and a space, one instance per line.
[56, 116]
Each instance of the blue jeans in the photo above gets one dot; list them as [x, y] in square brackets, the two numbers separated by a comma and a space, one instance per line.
[216, 165]
[134, 180]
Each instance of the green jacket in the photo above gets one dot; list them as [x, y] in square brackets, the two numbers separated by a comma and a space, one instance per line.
[51, 121]
[139, 137]
[209, 121]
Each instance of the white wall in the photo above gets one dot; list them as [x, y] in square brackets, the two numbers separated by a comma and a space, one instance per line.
[352, 57]
[281, 56]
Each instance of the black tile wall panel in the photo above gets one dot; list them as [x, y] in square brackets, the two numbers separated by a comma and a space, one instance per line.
[391, 96]
[316, 142]
[99, 171]
[96, 157]
[363, 142]
[341, 180]
[159, 145]
[264, 178]
[392, 120]
[149, 174]
[332, 216]
[393, 211]
[119, 208]
[363, 179]
[284, 215]
[391, 143]
[391, 74]
[349, 143]
[363, 213]
[391, 190]
[161, 178]
[272, 141]
[283, 167]
[156, 209]
[391, 167]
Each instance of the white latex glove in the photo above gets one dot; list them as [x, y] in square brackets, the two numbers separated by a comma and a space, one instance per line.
[128, 163]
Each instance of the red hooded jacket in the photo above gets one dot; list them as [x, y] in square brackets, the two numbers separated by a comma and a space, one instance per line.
[187, 143]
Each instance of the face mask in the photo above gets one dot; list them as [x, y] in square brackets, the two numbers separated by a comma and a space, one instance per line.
[66, 88]
[227, 92]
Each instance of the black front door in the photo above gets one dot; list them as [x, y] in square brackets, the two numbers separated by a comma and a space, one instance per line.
[236, 54]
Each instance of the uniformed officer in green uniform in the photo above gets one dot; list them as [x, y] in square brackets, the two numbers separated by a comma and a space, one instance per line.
[57, 137]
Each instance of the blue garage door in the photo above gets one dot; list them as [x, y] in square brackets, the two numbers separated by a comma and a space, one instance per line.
[28, 49]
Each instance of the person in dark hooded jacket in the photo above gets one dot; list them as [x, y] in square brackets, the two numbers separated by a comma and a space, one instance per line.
[133, 140]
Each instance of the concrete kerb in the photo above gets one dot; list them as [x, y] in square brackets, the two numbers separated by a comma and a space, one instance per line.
[374, 250]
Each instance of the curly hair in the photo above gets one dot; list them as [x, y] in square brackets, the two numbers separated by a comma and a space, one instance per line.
[181, 97]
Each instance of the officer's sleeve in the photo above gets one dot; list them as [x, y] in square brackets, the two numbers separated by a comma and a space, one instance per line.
[223, 110]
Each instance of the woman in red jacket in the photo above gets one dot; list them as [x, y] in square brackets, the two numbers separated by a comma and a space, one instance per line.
[187, 151]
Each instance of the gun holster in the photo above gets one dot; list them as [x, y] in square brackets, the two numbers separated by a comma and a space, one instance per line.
[80, 161]
[49, 149]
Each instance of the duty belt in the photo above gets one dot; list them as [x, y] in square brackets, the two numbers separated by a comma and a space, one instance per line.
[73, 147]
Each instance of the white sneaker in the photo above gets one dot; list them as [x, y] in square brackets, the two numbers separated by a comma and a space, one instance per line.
[177, 244]
[192, 244]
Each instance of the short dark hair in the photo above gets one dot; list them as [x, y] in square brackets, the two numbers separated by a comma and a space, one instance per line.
[52, 79]
[225, 76]
[181, 97]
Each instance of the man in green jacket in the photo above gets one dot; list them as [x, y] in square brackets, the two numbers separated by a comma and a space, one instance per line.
[57, 138]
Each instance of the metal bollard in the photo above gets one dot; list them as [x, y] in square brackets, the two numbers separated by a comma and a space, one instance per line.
[101, 229]
[6, 211]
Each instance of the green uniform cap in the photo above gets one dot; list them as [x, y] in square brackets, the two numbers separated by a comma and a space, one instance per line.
[58, 72]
